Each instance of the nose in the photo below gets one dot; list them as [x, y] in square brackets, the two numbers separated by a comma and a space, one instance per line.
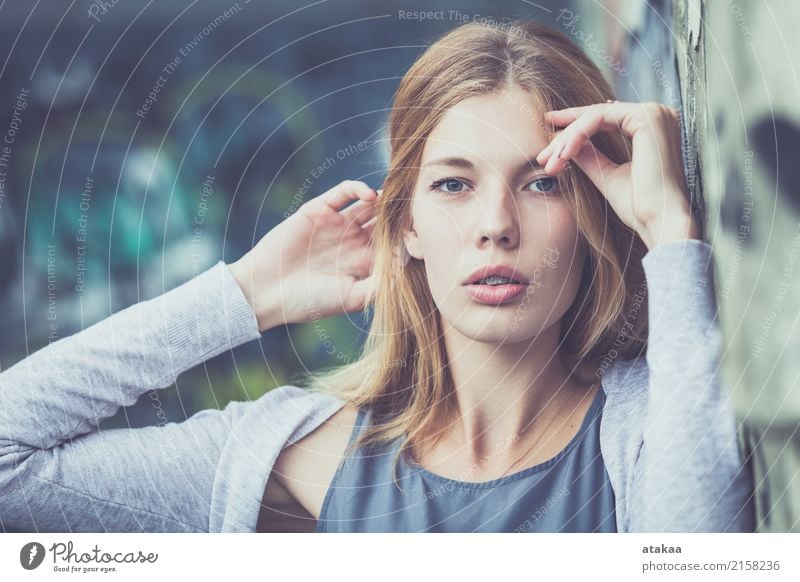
[499, 219]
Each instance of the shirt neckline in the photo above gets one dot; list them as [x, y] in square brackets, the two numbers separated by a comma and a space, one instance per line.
[522, 473]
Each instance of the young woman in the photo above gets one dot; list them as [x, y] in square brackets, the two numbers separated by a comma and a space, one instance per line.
[543, 354]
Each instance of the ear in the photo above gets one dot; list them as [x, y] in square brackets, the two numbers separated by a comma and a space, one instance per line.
[411, 240]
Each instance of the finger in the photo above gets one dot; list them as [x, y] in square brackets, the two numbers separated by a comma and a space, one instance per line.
[369, 230]
[360, 212]
[573, 138]
[628, 117]
[561, 117]
[567, 115]
[612, 118]
[337, 197]
[543, 155]
[595, 164]
[362, 293]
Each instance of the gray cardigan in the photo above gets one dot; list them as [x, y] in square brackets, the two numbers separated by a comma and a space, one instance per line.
[668, 436]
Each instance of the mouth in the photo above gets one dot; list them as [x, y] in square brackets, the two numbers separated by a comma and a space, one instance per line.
[496, 284]
[496, 275]
[495, 294]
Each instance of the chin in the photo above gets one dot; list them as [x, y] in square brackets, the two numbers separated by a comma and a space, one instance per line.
[509, 338]
[500, 332]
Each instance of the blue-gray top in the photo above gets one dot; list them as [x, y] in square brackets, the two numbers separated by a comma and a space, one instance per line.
[569, 492]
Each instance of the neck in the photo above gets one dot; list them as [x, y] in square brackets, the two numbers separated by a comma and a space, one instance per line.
[507, 392]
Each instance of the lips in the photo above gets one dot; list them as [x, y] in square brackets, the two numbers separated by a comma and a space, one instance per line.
[499, 270]
[496, 294]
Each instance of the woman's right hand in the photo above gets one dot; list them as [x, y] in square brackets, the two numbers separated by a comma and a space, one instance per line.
[315, 264]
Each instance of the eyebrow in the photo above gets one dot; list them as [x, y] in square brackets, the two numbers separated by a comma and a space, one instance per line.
[465, 163]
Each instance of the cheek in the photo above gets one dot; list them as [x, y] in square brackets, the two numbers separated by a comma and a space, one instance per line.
[552, 221]
[568, 272]
[439, 232]
[441, 244]
[559, 253]
[551, 226]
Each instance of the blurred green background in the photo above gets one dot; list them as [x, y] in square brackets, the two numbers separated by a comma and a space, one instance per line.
[153, 139]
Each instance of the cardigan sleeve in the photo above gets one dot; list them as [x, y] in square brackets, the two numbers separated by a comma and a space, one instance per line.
[690, 475]
[59, 472]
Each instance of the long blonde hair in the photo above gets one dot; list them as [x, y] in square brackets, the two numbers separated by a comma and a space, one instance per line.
[402, 372]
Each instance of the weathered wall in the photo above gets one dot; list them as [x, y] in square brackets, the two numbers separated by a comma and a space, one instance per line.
[732, 68]
[751, 172]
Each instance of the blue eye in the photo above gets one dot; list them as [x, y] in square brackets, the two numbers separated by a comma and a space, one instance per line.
[447, 183]
[547, 184]
[451, 186]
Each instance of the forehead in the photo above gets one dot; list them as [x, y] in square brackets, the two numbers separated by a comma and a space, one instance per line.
[489, 129]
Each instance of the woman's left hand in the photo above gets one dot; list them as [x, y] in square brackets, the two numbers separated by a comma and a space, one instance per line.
[649, 192]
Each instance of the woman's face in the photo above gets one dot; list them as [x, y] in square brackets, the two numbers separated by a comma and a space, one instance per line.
[481, 200]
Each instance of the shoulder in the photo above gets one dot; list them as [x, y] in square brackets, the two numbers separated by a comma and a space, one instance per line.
[306, 467]
[292, 408]
[330, 433]
[263, 430]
